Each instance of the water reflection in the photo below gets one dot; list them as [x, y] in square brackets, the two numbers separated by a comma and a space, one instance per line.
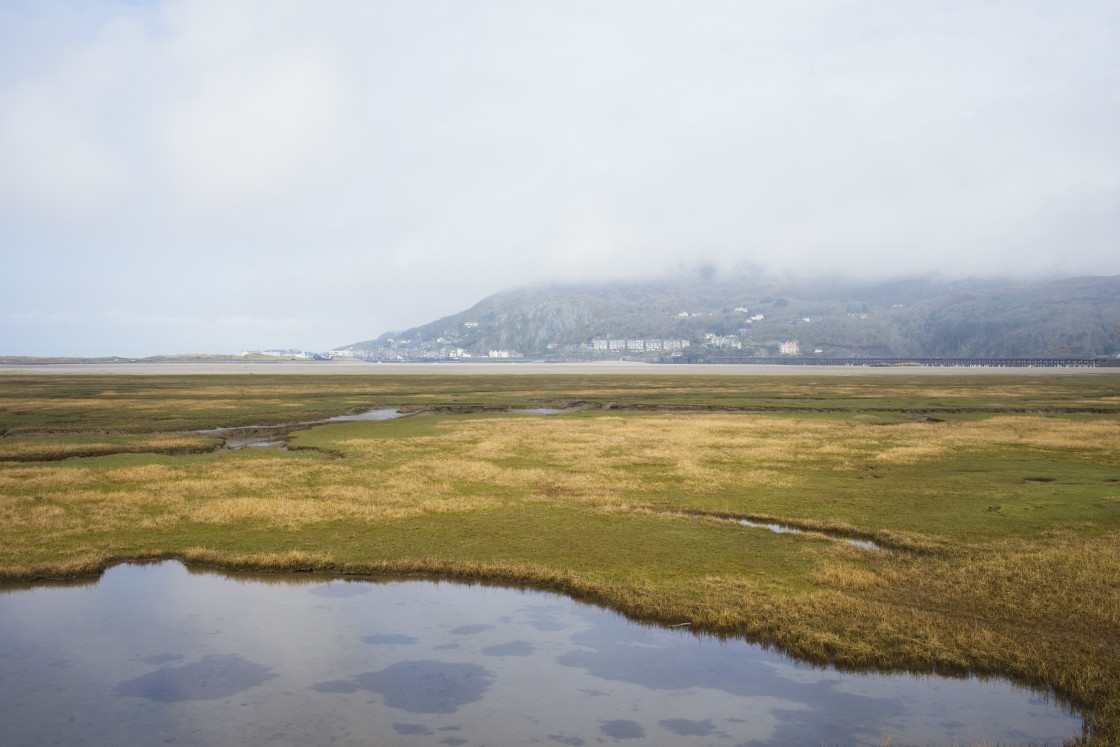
[778, 528]
[389, 638]
[429, 686]
[204, 658]
[382, 414]
[513, 648]
[211, 678]
[622, 729]
[275, 436]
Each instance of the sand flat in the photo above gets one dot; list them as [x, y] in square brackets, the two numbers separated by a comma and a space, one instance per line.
[631, 368]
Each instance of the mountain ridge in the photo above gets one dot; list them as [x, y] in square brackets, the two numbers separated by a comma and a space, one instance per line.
[925, 316]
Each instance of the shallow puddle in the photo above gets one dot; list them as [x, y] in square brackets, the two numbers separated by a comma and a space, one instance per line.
[160, 653]
[787, 529]
[275, 436]
[383, 414]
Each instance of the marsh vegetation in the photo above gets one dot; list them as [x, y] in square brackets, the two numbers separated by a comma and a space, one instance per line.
[996, 500]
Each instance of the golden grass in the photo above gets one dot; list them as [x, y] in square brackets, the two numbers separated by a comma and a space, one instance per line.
[846, 578]
[27, 478]
[471, 463]
[56, 447]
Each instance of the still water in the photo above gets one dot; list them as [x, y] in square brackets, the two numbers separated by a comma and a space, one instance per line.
[161, 654]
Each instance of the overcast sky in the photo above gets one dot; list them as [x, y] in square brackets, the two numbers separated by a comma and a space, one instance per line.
[212, 175]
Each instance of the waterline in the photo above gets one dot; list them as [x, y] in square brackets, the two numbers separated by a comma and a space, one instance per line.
[204, 657]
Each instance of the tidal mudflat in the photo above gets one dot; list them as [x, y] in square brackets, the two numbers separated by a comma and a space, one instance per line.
[160, 653]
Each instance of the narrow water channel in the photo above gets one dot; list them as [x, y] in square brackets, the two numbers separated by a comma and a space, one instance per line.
[275, 436]
[163, 654]
[787, 529]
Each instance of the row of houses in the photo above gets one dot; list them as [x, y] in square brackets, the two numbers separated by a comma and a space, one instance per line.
[789, 347]
[348, 353]
[637, 346]
[720, 341]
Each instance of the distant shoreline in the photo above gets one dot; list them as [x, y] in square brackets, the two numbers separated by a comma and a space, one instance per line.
[355, 368]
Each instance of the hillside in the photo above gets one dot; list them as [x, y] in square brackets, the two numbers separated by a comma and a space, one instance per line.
[753, 316]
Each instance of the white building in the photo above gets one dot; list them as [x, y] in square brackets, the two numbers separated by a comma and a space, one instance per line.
[719, 341]
[640, 346]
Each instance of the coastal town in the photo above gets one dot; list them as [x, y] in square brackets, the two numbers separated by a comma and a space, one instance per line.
[406, 350]
[734, 322]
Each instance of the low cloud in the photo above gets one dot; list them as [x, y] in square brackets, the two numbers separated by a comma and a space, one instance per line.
[376, 165]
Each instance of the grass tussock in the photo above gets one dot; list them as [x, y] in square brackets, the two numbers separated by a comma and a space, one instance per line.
[82, 567]
[52, 448]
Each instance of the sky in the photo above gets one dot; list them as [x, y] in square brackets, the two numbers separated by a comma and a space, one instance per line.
[208, 176]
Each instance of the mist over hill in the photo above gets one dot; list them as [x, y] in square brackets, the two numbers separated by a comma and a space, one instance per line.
[755, 316]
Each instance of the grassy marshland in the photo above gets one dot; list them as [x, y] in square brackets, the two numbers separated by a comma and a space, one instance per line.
[998, 497]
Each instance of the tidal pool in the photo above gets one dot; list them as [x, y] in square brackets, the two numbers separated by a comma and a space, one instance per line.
[164, 654]
[275, 436]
